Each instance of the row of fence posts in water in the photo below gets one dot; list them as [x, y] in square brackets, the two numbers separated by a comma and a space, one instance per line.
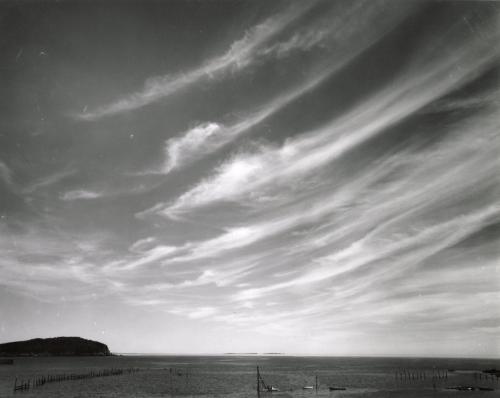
[411, 376]
[408, 375]
[24, 385]
[485, 376]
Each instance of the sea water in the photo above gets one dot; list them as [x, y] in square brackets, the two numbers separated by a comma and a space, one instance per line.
[236, 376]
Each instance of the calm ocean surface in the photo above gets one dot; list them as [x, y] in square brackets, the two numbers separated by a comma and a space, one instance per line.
[235, 376]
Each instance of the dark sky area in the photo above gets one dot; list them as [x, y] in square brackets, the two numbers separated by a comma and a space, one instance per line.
[251, 176]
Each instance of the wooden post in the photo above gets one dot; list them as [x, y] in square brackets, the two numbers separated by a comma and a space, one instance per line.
[316, 384]
[258, 383]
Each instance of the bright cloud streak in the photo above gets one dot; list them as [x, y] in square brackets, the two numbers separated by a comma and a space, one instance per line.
[239, 56]
[80, 194]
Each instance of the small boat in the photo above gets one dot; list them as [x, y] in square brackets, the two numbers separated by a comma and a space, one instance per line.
[271, 389]
[336, 388]
[462, 388]
[308, 388]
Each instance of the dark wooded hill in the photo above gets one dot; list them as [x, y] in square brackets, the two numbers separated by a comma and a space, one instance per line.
[56, 346]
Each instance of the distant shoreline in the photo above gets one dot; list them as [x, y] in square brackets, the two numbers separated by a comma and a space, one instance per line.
[293, 355]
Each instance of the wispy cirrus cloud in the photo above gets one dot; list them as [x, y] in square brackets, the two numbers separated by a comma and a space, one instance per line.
[5, 173]
[394, 204]
[125, 185]
[206, 138]
[252, 172]
[80, 194]
[50, 258]
[373, 229]
[338, 25]
[240, 54]
[409, 251]
[151, 255]
[48, 181]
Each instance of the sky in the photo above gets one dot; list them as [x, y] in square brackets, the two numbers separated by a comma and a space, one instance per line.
[314, 177]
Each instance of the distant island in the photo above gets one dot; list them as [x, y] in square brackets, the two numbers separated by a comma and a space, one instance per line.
[56, 346]
[253, 353]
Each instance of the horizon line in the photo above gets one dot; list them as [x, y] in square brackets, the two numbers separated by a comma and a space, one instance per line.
[298, 355]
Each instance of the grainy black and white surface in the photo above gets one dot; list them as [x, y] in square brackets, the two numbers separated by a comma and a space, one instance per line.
[214, 176]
